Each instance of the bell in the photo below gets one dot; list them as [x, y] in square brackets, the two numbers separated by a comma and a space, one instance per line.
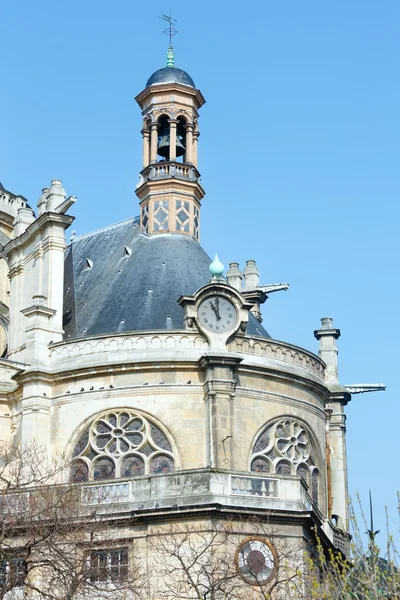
[163, 144]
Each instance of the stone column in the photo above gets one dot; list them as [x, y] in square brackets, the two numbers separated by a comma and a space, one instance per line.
[219, 395]
[196, 136]
[328, 351]
[153, 141]
[172, 139]
[189, 143]
[339, 397]
[338, 458]
[146, 147]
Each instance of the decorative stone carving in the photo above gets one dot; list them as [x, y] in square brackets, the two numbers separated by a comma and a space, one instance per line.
[285, 448]
[121, 444]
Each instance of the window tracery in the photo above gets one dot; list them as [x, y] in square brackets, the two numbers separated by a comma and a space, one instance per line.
[120, 444]
[285, 448]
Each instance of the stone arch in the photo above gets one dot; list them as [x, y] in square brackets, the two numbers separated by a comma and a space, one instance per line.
[121, 442]
[289, 446]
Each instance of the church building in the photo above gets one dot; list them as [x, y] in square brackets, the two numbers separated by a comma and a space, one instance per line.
[138, 356]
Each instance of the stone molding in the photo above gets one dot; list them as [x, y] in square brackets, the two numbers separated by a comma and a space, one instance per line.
[45, 219]
[283, 399]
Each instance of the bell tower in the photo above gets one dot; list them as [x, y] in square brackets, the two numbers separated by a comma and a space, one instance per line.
[169, 189]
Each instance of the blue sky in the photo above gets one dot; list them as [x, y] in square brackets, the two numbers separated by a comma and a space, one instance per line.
[299, 154]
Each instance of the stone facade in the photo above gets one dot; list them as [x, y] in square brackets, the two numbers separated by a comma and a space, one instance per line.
[164, 421]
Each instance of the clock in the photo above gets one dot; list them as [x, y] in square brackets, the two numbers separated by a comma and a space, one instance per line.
[217, 314]
[256, 561]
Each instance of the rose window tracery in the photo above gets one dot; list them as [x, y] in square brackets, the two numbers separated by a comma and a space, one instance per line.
[121, 444]
[285, 448]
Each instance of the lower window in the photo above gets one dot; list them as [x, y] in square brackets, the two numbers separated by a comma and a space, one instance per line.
[108, 565]
[13, 572]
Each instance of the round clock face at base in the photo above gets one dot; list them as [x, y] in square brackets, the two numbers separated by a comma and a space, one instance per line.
[217, 314]
[256, 561]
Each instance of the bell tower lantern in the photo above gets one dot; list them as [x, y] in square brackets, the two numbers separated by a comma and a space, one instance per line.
[169, 189]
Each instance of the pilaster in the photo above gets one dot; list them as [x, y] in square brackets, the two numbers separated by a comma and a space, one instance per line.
[338, 458]
[36, 263]
[39, 331]
[336, 424]
[219, 396]
[36, 407]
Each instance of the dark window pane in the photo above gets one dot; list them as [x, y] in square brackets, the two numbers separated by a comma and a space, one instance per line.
[104, 468]
[162, 464]
[81, 444]
[79, 472]
[262, 442]
[315, 486]
[283, 468]
[261, 465]
[159, 438]
[132, 466]
[134, 425]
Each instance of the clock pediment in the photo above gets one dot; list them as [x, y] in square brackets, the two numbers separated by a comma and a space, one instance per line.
[218, 311]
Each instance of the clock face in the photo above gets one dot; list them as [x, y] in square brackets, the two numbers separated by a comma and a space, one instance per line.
[217, 314]
[256, 561]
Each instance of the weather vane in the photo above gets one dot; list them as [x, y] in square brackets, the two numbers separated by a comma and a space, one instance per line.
[170, 30]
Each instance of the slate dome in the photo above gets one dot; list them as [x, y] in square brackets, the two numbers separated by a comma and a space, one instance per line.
[170, 75]
[116, 291]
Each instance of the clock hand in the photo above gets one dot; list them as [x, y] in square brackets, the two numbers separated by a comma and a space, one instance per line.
[214, 309]
[217, 312]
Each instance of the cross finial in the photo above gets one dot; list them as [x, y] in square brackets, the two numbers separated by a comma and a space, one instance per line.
[170, 30]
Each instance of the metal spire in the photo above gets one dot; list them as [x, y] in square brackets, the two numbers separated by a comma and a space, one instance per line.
[371, 533]
[170, 31]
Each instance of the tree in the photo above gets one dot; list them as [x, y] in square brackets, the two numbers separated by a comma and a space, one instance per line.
[366, 575]
[225, 560]
[51, 544]
[55, 545]
[202, 562]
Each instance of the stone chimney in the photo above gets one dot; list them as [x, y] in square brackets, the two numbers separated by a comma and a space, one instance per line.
[234, 276]
[251, 275]
[56, 195]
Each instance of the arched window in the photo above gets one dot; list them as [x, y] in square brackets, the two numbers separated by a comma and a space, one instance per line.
[284, 447]
[120, 444]
[315, 486]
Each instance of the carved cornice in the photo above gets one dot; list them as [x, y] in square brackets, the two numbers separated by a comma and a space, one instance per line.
[48, 218]
[161, 88]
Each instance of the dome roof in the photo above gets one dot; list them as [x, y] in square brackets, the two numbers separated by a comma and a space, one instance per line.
[170, 75]
[117, 280]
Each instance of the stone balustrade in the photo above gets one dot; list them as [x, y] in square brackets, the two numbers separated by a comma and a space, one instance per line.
[200, 486]
[10, 204]
[138, 346]
[279, 351]
[165, 170]
[341, 540]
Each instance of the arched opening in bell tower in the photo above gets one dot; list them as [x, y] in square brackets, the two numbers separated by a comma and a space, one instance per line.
[171, 139]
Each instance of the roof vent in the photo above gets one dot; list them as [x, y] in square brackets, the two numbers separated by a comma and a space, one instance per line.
[88, 264]
[127, 251]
